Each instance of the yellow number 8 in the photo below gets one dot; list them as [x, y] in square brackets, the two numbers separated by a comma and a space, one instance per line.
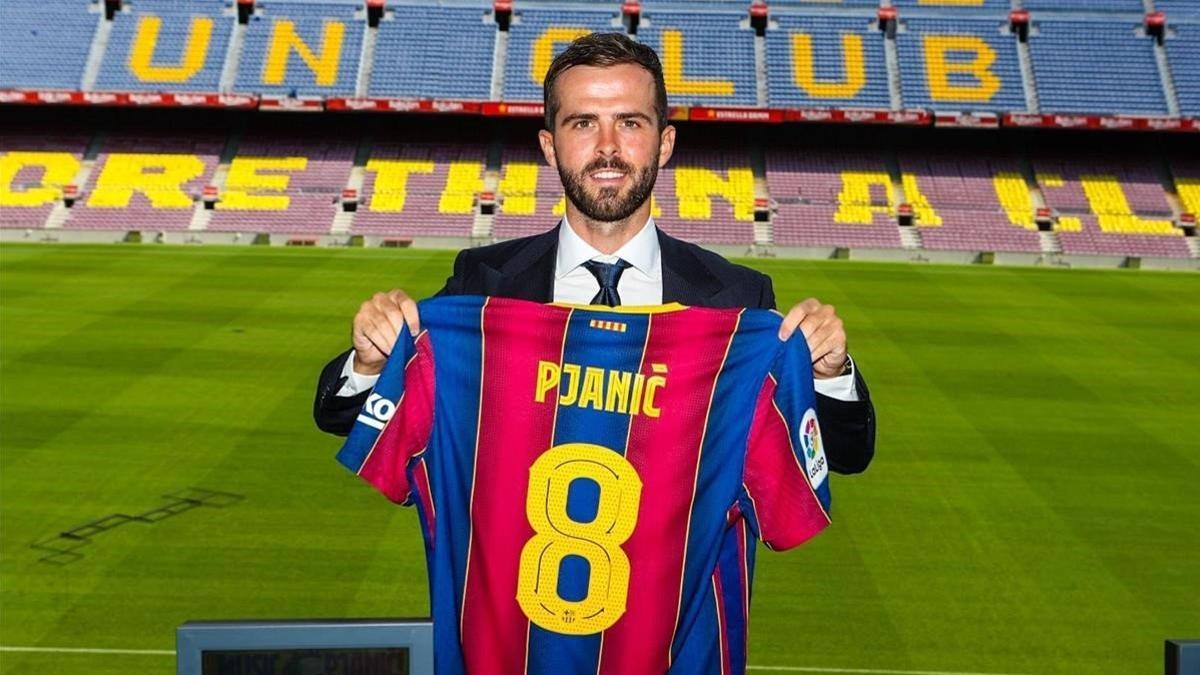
[597, 541]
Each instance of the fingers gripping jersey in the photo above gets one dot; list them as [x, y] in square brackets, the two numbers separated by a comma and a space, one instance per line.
[589, 480]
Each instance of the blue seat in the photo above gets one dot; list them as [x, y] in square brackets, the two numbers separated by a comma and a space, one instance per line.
[521, 82]
[435, 52]
[916, 88]
[828, 64]
[1098, 67]
[310, 20]
[717, 50]
[44, 43]
[177, 20]
[1183, 56]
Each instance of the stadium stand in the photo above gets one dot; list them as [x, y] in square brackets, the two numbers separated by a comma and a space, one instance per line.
[1179, 10]
[529, 193]
[143, 181]
[537, 35]
[1183, 54]
[707, 57]
[826, 61]
[165, 45]
[1093, 6]
[34, 168]
[706, 194]
[1187, 184]
[301, 49]
[831, 199]
[421, 189]
[1094, 66]
[1108, 207]
[959, 64]
[283, 183]
[45, 43]
[943, 7]
[434, 52]
[973, 204]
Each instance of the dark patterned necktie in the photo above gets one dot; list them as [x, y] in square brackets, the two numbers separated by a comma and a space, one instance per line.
[608, 275]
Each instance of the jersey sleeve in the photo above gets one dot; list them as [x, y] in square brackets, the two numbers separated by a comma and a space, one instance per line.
[785, 482]
[395, 423]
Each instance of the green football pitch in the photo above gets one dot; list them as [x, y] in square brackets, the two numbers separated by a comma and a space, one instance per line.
[1034, 504]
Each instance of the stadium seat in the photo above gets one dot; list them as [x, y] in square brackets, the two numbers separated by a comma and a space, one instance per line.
[1183, 54]
[537, 35]
[434, 52]
[421, 189]
[1095, 67]
[959, 64]
[301, 49]
[826, 61]
[44, 44]
[707, 57]
[1092, 6]
[34, 167]
[165, 45]
[947, 7]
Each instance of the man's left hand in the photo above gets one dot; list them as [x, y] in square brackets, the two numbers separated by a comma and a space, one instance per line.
[824, 333]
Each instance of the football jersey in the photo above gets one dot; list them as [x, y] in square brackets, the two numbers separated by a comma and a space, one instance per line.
[590, 480]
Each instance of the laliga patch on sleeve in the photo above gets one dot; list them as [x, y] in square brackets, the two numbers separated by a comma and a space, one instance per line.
[814, 450]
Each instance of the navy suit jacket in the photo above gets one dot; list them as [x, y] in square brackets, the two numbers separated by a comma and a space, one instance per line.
[524, 269]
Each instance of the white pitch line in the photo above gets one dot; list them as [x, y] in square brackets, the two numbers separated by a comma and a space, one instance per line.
[89, 650]
[787, 669]
[861, 671]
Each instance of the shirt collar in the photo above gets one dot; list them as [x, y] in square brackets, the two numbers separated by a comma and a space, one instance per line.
[641, 252]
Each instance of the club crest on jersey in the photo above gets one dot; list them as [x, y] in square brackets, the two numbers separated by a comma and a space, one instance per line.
[619, 391]
[377, 411]
[814, 451]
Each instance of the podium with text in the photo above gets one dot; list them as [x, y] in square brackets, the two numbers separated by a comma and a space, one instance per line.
[305, 647]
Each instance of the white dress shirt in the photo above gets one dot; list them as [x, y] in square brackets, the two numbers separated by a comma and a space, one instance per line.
[640, 284]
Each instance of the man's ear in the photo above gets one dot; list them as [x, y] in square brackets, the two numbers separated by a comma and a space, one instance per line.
[546, 140]
[666, 145]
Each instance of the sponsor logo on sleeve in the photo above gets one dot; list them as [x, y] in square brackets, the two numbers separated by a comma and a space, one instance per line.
[377, 411]
[814, 451]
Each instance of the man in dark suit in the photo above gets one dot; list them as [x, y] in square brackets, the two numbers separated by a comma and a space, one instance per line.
[606, 135]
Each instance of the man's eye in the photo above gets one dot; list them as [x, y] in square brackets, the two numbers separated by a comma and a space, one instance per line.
[632, 124]
[579, 124]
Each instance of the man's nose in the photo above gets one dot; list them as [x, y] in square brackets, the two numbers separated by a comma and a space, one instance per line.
[607, 144]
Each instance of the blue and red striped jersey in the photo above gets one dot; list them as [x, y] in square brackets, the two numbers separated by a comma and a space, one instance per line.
[590, 481]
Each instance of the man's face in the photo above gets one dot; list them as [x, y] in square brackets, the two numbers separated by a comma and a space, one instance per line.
[606, 144]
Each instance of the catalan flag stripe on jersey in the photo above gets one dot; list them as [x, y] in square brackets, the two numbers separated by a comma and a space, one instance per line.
[590, 480]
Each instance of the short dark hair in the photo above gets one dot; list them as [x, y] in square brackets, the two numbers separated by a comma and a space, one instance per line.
[603, 50]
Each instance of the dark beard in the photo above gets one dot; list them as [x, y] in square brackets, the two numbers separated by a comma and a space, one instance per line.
[609, 206]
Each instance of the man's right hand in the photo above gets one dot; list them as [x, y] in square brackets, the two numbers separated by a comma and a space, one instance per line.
[376, 327]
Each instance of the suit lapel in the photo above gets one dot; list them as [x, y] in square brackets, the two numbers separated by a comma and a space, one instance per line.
[686, 280]
[528, 275]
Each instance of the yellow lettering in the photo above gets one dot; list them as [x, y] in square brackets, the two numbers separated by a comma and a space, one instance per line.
[543, 49]
[672, 63]
[1189, 193]
[285, 40]
[593, 388]
[853, 64]
[618, 392]
[1014, 198]
[145, 42]
[1065, 223]
[463, 181]
[58, 168]
[938, 69]
[855, 204]
[547, 379]
[244, 182]
[635, 399]
[572, 392]
[695, 185]
[159, 177]
[923, 211]
[960, 3]
[1111, 206]
[518, 186]
[391, 182]
[653, 384]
